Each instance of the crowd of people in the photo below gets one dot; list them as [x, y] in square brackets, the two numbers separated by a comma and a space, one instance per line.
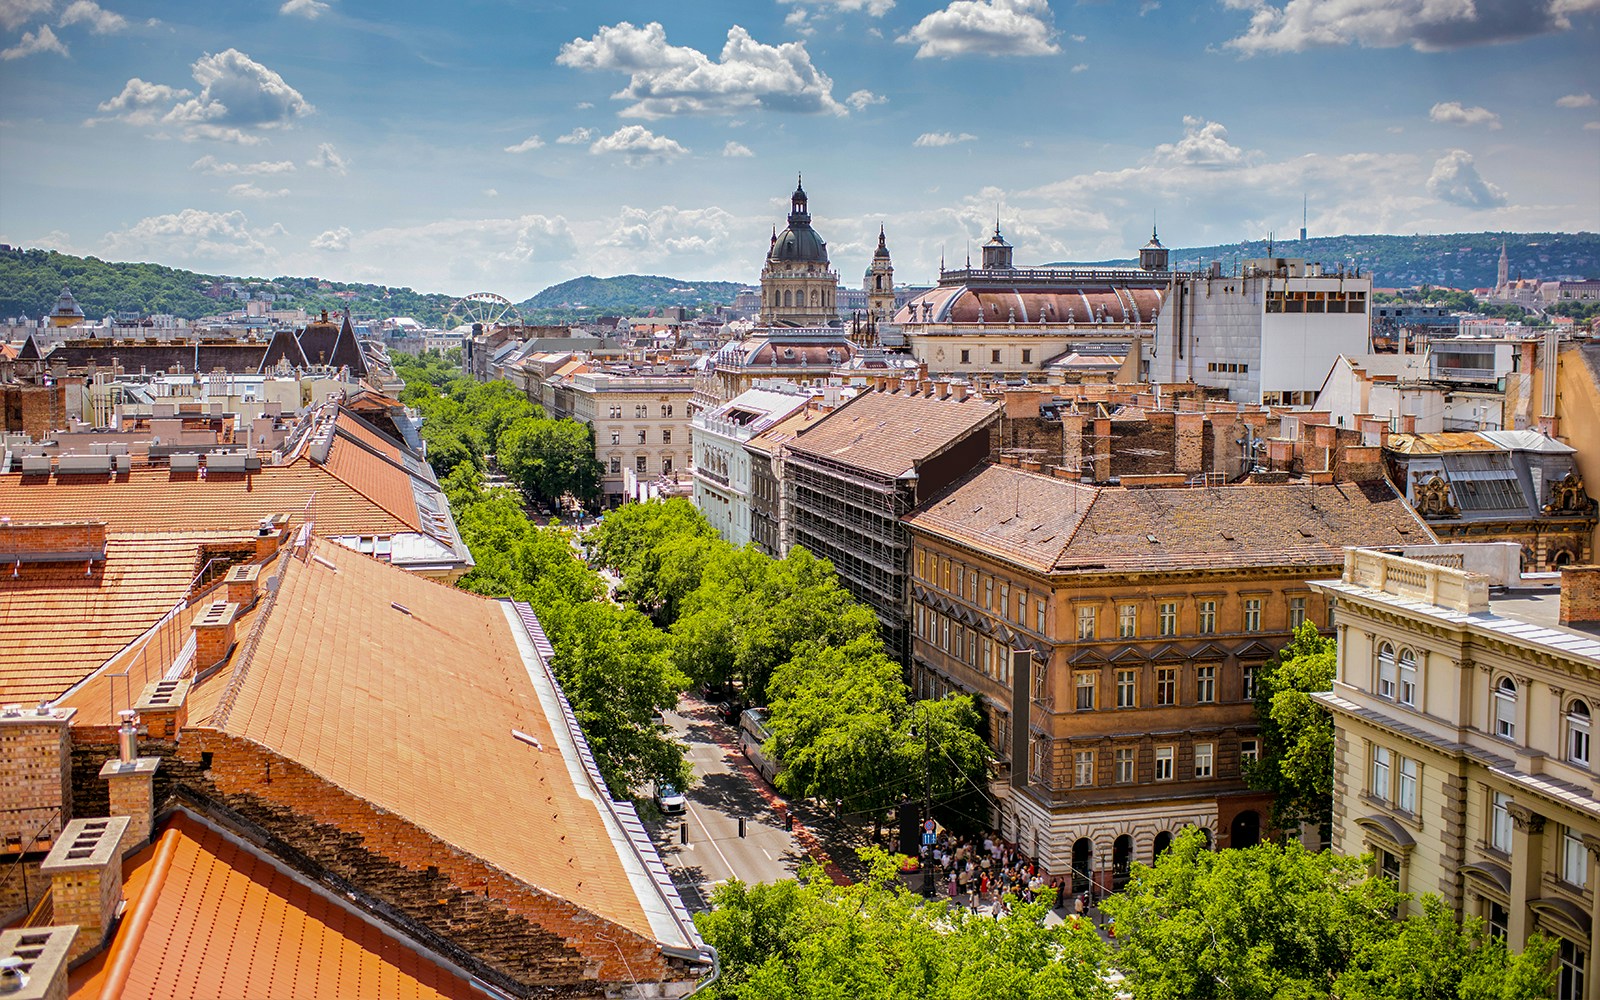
[981, 872]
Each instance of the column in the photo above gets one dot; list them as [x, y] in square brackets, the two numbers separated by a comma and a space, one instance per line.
[1592, 973]
[1527, 863]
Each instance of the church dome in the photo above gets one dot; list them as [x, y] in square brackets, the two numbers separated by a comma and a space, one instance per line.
[799, 244]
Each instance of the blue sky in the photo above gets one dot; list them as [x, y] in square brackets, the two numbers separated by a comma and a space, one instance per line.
[503, 145]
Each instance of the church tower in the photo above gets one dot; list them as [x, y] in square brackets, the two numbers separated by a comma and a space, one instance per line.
[1153, 256]
[880, 283]
[797, 286]
[1504, 277]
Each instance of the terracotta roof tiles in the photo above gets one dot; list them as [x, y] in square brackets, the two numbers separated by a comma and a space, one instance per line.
[889, 433]
[225, 922]
[1051, 524]
[347, 684]
[60, 621]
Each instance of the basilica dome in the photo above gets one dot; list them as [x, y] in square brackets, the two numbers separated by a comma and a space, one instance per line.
[799, 243]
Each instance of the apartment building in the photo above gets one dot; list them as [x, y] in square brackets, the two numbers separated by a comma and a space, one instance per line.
[1464, 762]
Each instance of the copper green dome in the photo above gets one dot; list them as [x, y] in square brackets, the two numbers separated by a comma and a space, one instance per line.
[799, 243]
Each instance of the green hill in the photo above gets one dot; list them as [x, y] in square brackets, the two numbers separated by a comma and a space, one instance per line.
[30, 281]
[1455, 260]
[627, 294]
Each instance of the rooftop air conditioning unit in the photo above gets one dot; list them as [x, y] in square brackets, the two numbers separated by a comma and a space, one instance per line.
[185, 462]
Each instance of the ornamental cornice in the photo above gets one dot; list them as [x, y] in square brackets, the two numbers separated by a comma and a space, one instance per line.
[1525, 819]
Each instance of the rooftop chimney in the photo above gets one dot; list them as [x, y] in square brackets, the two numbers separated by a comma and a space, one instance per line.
[36, 773]
[213, 633]
[164, 707]
[85, 869]
[1580, 595]
[243, 581]
[33, 962]
[272, 533]
[132, 781]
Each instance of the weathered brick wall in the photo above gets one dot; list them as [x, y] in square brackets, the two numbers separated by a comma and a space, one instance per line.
[35, 780]
[1580, 594]
[490, 923]
[36, 410]
[45, 539]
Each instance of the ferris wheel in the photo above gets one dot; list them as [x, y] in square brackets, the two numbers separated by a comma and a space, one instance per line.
[486, 308]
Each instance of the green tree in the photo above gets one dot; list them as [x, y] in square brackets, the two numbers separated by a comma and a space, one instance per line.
[551, 458]
[810, 939]
[1277, 921]
[1296, 762]
[942, 736]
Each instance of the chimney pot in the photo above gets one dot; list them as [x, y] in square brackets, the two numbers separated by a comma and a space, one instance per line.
[85, 869]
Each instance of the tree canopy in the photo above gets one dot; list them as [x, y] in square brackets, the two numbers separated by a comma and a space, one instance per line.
[1296, 762]
[1277, 921]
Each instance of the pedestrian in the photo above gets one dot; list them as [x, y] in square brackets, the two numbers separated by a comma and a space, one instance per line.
[1078, 906]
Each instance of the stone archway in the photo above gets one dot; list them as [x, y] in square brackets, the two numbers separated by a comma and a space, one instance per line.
[1245, 831]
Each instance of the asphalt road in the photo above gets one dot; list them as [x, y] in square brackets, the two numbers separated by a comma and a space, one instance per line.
[724, 791]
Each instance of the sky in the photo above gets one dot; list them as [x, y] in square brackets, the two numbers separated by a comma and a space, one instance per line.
[505, 145]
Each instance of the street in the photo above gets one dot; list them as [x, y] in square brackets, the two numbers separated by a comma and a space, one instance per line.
[725, 790]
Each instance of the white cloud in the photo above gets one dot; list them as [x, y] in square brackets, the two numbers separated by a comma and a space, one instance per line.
[584, 105]
[99, 20]
[1204, 144]
[310, 9]
[1080, 67]
[736, 149]
[668, 79]
[236, 95]
[1591, 126]
[490, 193]
[638, 146]
[1425, 25]
[138, 102]
[15, 13]
[1148, 7]
[332, 240]
[1453, 113]
[799, 21]
[640, 237]
[532, 142]
[1079, 38]
[943, 138]
[576, 137]
[876, 8]
[328, 159]
[193, 235]
[249, 190]
[40, 40]
[985, 27]
[477, 253]
[211, 165]
[863, 99]
[1576, 101]
[1455, 180]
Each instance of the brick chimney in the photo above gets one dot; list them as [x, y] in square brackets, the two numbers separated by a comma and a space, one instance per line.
[1580, 595]
[85, 870]
[164, 707]
[272, 533]
[243, 583]
[213, 633]
[35, 962]
[36, 773]
[132, 780]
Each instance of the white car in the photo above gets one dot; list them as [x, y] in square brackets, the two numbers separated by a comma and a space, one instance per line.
[670, 801]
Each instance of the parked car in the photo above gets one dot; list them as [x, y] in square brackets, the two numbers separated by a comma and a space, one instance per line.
[670, 801]
[729, 711]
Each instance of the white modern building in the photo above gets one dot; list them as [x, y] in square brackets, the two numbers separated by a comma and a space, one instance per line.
[721, 464]
[1267, 335]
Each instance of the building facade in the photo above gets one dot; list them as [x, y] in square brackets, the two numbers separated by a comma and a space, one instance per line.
[640, 421]
[1112, 637]
[850, 477]
[1267, 335]
[724, 486]
[1463, 711]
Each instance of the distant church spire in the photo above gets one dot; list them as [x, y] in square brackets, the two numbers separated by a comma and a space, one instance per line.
[1504, 276]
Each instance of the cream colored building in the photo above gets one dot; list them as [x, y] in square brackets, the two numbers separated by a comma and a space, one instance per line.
[641, 425]
[1463, 758]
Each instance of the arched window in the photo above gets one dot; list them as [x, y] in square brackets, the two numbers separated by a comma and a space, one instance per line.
[786, 299]
[1408, 677]
[1505, 709]
[878, 279]
[1386, 671]
[1163, 841]
[1578, 732]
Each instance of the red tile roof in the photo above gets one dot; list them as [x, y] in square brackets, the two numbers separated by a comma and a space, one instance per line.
[158, 499]
[888, 433]
[1051, 524]
[360, 667]
[61, 621]
[222, 921]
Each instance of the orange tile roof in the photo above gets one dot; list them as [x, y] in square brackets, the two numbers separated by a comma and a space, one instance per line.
[349, 686]
[158, 499]
[888, 433]
[1051, 524]
[373, 466]
[61, 621]
[225, 922]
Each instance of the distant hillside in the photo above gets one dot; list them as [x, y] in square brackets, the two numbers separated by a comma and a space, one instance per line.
[1455, 260]
[627, 294]
[30, 281]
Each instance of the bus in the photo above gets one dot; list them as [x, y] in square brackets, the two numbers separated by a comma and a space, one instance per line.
[753, 734]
